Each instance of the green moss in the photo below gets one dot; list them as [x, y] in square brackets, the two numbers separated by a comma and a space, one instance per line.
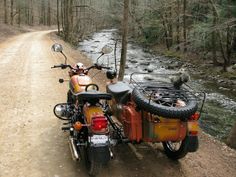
[229, 74]
[172, 54]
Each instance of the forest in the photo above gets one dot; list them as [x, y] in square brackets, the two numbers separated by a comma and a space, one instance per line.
[203, 27]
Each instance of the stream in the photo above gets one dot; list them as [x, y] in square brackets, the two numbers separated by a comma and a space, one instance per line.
[219, 112]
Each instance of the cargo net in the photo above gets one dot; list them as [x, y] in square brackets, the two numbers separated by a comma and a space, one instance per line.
[163, 90]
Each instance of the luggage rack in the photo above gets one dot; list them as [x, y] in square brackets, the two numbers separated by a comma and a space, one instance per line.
[162, 91]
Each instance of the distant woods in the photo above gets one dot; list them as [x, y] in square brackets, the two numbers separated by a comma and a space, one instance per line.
[206, 28]
[28, 12]
[74, 18]
[78, 18]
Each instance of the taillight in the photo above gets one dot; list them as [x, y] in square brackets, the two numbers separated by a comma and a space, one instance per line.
[99, 124]
[193, 126]
[195, 116]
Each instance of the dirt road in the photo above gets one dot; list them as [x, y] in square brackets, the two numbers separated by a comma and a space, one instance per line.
[32, 144]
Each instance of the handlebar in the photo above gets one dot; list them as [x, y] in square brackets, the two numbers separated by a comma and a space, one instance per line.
[62, 66]
[97, 66]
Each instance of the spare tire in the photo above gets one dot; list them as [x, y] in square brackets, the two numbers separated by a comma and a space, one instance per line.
[181, 112]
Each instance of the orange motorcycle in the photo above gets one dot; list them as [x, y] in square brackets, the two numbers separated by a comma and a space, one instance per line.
[148, 108]
[84, 115]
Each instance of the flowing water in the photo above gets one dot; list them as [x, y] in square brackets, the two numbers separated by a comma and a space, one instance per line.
[220, 108]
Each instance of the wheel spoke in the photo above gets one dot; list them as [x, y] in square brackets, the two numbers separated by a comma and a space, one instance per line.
[174, 146]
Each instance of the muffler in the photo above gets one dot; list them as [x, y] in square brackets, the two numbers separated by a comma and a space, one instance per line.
[73, 149]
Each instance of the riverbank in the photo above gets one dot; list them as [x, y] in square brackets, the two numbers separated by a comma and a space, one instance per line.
[201, 67]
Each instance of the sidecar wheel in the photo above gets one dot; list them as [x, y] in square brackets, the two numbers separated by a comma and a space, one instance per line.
[176, 150]
[166, 109]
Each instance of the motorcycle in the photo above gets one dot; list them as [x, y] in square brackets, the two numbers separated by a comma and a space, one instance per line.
[84, 115]
[152, 110]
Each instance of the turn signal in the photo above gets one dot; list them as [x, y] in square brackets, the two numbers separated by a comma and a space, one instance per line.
[77, 126]
[99, 124]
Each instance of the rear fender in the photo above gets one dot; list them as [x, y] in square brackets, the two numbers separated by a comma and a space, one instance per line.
[193, 143]
[99, 154]
[91, 111]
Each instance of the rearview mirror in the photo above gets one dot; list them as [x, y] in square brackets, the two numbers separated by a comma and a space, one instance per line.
[57, 47]
[106, 49]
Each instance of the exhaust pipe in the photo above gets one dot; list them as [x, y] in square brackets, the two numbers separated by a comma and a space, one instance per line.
[73, 149]
[111, 154]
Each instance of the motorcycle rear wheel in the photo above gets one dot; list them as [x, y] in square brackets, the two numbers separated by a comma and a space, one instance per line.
[92, 166]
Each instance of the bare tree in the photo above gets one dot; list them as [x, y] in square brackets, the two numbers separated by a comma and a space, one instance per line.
[49, 14]
[178, 26]
[5, 12]
[184, 25]
[58, 18]
[11, 12]
[124, 40]
[213, 38]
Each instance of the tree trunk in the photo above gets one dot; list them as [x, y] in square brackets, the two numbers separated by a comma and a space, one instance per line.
[18, 9]
[62, 16]
[49, 14]
[5, 12]
[165, 32]
[28, 12]
[71, 17]
[11, 13]
[124, 40]
[177, 26]
[58, 18]
[216, 16]
[228, 36]
[19, 16]
[231, 141]
[133, 12]
[184, 25]
[213, 40]
[44, 12]
[31, 13]
[170, 27]
[66, 20]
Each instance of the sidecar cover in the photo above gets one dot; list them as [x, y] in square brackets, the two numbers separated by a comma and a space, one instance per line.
[119, 90]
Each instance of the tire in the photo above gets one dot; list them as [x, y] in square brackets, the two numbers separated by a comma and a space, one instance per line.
[178, 153]
[92, 166]
[166, 111]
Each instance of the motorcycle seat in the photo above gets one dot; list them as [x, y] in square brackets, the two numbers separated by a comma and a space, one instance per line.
[120, 91]
[118, 88]
[93, 95]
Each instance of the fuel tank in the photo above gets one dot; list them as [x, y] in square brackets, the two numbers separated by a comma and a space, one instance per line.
[78, 83]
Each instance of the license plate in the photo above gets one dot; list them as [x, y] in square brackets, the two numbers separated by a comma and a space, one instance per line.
[99, 139]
